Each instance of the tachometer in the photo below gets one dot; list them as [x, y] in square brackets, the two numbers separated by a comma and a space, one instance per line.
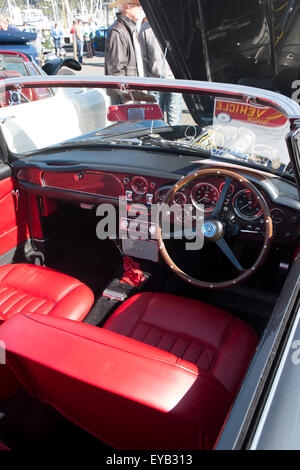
[206, 195]
[246, 205]
[161, 194]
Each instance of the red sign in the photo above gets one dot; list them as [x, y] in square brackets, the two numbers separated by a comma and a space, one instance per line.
[226, 111]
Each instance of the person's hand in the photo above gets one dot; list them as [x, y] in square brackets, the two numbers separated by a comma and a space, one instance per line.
[138, 95]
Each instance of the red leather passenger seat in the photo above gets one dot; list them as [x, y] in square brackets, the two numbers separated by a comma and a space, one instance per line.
[36, 289]
[161, 374]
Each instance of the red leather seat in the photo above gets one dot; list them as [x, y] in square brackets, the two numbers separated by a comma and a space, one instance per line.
[193, 331]
[161, 374]
[37, 289]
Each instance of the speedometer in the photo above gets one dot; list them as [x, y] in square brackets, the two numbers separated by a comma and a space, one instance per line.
[246, 205]
[205, 195]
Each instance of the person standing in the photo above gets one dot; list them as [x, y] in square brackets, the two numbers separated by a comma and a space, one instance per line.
[156, 65]
[92, 36]
[6, 26]
[72, 32]
[57, 34]
[123, 54]
[87, 39]
[79, 40]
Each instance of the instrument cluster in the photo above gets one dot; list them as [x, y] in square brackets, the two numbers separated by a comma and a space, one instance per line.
[240, 205]
[204, 195]
[243, 202]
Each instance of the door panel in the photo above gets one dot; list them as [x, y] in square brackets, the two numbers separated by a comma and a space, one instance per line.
[14, 221]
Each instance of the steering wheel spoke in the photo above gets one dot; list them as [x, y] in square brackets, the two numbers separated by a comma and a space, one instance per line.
[225, 248]
[219, 206]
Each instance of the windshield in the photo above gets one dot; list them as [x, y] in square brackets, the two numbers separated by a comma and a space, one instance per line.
[13, 65]
[36, 118]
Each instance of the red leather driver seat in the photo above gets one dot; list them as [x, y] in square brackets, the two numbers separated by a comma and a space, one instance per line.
[193, 331]
[161, 374]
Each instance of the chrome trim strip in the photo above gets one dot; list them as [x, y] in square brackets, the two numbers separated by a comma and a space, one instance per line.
[250, 94]
[267, 407]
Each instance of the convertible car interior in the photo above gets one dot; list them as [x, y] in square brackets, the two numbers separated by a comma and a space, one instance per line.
[132, 340]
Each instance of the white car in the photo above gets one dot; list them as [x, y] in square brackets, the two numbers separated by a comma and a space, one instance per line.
[67, 112]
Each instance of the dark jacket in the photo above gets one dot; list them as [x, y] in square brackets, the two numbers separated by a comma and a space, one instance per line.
[120, 56]
[155, 64]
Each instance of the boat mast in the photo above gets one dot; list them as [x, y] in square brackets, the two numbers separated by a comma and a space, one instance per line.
[68, 13]
[54, 9]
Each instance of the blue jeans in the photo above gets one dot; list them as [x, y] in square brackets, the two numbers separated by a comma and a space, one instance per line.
[171, 103]
[57, 45]
[80, 51]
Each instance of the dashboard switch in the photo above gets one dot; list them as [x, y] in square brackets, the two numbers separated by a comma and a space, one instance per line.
[149, 198]
[78, 176]
[129, 195]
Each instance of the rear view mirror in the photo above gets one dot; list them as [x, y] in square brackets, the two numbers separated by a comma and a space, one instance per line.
[134, 112]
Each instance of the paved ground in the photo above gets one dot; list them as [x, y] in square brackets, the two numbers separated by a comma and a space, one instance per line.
[94, 66]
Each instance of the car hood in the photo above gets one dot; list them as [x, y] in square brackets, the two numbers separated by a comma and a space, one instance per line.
[254, 42]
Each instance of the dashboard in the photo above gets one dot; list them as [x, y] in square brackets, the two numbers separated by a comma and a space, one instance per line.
[145, 178]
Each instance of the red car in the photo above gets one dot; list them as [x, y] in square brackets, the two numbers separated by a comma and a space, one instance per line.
[142, 263]
[17, 64]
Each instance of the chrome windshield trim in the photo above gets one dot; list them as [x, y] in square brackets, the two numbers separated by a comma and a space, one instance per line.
[250, 95]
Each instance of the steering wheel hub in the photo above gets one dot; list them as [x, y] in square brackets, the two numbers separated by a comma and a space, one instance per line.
[212, 230]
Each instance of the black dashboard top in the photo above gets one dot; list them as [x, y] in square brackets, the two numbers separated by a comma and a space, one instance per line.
[163, 165]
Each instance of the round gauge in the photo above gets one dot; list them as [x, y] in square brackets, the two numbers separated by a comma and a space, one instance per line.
[246, 205]
[183, 215]
[179, 198]
[205, 194]
[230, 190]
[277, 216]
[139, 185]
[161, 194]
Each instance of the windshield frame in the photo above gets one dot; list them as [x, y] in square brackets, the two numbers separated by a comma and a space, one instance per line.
[250, 95]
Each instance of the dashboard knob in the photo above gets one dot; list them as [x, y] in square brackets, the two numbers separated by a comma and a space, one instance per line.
[78, 176]
[152, 229]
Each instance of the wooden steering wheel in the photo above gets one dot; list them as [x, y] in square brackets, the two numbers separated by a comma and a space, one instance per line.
[212, 228]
